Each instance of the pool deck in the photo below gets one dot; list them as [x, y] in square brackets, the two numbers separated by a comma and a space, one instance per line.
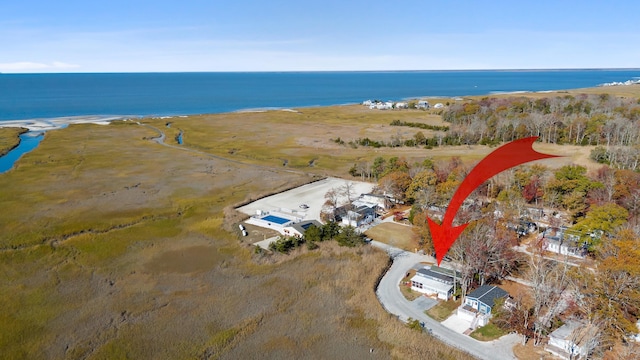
[276, 219]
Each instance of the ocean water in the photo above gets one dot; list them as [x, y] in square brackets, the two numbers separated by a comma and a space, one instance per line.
[43, 96]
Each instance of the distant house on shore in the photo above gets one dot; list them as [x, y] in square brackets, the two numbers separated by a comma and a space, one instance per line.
[423, 104]
[387, 105]
[478, 304]
[434, 280]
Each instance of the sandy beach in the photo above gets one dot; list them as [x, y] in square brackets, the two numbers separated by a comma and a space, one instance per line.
[61, 122]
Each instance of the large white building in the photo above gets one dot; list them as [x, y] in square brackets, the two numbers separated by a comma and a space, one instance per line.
[433, 280]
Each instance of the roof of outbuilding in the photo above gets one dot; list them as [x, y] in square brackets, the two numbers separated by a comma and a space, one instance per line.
[304, 225]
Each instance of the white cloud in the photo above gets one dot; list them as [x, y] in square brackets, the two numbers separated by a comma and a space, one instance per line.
[26, 66]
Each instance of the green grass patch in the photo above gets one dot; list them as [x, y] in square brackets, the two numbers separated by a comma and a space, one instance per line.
[96, 249]
[487, 333]
[24, 317]
[443, 310]
[393, 234]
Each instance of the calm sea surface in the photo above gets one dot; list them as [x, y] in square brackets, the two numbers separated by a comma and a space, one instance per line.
[35, 96]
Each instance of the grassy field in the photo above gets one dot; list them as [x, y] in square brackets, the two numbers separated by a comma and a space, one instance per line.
[405, 287]
[393, 234]
[487, 333]
[114, 246]
[443, 310]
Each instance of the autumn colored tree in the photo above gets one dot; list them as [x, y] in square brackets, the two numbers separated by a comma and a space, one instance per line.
[484, 253]
[421, 232]
[518, 317]
[599, 222]
[511, 203]
[627, 192]
[571, 185]
[444, 169]
[395, 184]
[425, 179]
[610, 295]
[533, 190]
[394, 164]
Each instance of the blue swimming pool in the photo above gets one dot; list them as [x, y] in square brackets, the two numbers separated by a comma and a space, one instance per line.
[275, 219]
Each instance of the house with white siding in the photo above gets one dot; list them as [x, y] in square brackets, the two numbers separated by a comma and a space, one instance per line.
[434, 281]
[573, 340]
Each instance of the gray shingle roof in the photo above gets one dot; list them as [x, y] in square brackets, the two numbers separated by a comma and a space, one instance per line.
[434, 275]
[488, 294]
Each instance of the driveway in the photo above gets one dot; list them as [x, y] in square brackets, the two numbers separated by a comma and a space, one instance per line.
[457, 324]
[424, 303]
[389, 295]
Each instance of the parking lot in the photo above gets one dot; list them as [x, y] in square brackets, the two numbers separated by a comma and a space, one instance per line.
[311, 195]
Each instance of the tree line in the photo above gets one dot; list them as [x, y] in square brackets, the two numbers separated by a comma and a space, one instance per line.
[344, 236]
[606, 121]
[579, 120]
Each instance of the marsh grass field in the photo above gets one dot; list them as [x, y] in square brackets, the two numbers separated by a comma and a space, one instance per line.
[9, 139]
[115, 246]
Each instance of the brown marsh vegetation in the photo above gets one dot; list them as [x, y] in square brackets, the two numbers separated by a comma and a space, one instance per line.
[114, 246]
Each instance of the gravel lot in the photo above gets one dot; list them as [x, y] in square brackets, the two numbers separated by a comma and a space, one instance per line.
[310, 194]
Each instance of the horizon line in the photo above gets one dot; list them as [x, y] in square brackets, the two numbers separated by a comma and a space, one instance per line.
[323, 71]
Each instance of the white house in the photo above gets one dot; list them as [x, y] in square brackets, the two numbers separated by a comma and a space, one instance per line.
[438, 106]
[573, 340]
[382, 201]
[361, 214]
[423, 104]
[434, 280]
[559, 241]
[401, 105]
[478, 304]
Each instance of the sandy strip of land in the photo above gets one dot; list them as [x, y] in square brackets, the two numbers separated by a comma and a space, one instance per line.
[61, 122]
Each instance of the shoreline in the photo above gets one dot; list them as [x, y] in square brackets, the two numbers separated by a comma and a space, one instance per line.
[45, 124]
[34, 125]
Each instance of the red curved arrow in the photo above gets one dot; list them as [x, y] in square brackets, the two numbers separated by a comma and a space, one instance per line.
[507, 156]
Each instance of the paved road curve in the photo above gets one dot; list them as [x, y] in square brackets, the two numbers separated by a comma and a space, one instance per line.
[394, 302]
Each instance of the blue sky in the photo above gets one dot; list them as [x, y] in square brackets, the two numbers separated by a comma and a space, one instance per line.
[279, 35]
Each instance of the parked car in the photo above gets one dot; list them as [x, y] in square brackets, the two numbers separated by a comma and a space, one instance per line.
[304, 206]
